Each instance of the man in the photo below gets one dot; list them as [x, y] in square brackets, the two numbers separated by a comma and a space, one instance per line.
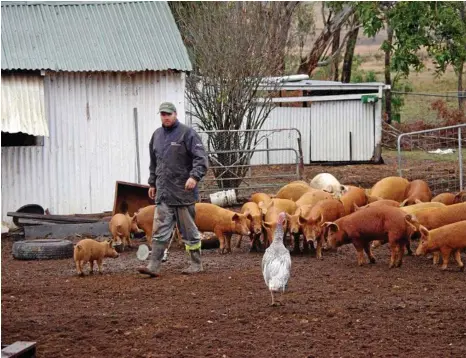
[178, 161]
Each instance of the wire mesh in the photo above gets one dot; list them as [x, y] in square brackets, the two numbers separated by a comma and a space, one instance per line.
[436, 156]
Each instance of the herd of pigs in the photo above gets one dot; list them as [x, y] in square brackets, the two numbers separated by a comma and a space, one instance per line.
[322, 214]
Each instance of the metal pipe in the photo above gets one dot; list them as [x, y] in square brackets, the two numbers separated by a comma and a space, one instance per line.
[138, 163]
[399, 154]
[460, 158]
[350, 147]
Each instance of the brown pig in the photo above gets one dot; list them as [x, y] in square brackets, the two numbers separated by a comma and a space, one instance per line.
[352, 196]
[295, 228]
[381, 202]
[144, 219]
[89, 250]
[384, 223]
[286, 205]
[446, 239]
[313, 197]
[294, 190]
[393, 188]
[450, 198]
[258, 197]
[222, 222]
[121, 226]
[270, 223]
[254, 216]
[417, 191]
[327, 210]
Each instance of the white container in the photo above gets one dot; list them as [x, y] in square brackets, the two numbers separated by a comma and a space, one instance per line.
[224, 198]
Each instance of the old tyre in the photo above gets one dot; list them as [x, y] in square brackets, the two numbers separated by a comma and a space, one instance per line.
[43, 249]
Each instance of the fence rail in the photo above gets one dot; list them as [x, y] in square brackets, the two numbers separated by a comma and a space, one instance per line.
[236, 160]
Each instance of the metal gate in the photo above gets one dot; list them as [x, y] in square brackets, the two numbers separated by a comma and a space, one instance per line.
[264, 166]
[434, 155]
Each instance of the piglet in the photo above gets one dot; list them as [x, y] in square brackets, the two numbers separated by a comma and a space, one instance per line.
[89, 250]
[121, 226]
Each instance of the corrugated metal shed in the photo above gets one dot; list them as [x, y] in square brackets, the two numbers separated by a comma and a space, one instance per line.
[23, 104]
[86, 36]
[92, 140]
[336, 128]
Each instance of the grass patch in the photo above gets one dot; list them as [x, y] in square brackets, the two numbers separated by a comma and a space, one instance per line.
[420, 155]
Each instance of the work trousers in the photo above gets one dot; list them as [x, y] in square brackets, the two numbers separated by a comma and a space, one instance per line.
[165, 218]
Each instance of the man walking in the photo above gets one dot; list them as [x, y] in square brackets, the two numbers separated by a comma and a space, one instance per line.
[178, 161]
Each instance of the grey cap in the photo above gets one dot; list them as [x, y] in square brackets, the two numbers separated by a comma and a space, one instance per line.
[167, 107]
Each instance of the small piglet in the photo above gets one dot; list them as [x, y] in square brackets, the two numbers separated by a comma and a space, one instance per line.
[121, 226]
[89, 250]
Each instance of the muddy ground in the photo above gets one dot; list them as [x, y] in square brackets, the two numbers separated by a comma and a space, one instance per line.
[332, 308]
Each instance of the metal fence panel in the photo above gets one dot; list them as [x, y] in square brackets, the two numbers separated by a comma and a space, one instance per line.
[234, 166]
[434, 155]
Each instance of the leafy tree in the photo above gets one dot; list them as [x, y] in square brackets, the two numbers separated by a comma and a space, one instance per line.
[448, 39]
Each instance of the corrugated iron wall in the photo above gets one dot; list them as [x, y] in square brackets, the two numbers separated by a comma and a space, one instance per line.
[92, 140]
[23, 107]
[325, 129]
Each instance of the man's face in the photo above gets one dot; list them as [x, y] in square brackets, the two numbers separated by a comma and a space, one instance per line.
[168, 119]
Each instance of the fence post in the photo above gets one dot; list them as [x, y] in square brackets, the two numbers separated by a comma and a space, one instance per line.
[460, 158]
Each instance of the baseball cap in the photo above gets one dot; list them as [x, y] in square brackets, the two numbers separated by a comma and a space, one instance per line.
[167, 107]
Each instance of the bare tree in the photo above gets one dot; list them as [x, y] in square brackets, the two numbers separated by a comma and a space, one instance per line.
[234, 47]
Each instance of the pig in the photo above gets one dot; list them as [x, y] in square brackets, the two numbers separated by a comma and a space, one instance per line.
[378, 203]
[421, 206]
[417, 191]
[89, 250]
[293, 191]
[286, 205]
[295, 229]
[446, 239]
[329, 183]
[327, 210]
[412, 209]
[270, 223]
[312, 198]
[353, 196]
[121, 226]
[258, 197]
[433, 218]
[144, 219]
[361, 227]
[254, 216]
[449, 198]
[222, 222]
[393, 188]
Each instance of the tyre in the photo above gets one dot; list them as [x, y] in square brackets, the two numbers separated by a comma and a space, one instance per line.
[43, 249]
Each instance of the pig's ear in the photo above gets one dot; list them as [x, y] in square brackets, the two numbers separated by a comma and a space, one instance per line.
[355, 207]
[302, 220]
[404, 202]
[266, 224]
[235, 217]
[332, 226]
[424, 231]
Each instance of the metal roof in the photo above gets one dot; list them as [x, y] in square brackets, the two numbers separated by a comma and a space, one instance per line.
[85, 36]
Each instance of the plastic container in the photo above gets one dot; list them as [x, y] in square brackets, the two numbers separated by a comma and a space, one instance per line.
[224, 198]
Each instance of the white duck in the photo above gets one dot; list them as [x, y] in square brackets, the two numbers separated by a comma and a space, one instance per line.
[276, 262]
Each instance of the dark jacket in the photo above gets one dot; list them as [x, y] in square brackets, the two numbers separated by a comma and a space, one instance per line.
[176, 153]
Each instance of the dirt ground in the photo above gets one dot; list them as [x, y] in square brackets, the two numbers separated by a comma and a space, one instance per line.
[332, 308]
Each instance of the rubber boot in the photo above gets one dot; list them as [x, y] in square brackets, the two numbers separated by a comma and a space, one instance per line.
[153, 268]
[195, 263]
